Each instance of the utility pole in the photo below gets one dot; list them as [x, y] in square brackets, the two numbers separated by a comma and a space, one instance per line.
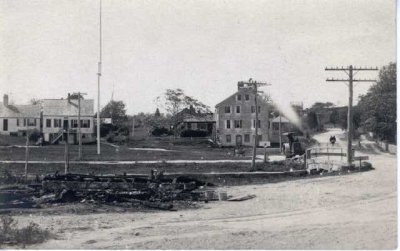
[98, 90]
[255, 86]
[350, 71]
[26, 150]
[280, 132]
[79, 124]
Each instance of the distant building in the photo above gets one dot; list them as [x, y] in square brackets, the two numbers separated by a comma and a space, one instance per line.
[50, 116]
[60, 114]
[189, 119]
[16, 119]
[286, 126]
[236, 118]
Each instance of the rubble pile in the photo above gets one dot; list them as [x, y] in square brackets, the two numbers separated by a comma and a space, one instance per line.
[154, 191]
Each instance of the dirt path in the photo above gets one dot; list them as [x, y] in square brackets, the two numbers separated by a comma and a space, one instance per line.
[357, 211]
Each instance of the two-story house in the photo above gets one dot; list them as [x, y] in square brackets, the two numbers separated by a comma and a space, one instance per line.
[17, 119]
[61, 114]
[236, 118]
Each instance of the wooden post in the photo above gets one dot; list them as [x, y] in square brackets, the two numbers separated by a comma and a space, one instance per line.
[79, 127]
[253, 161]
[280, 132]
[350, 118]
[26, 151]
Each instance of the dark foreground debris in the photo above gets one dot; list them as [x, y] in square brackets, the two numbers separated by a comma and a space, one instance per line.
[154, 191]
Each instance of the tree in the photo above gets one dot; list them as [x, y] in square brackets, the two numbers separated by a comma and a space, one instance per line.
[116, 111]
[174, 100]
[157, 113]
[378, 106]
[35, 101]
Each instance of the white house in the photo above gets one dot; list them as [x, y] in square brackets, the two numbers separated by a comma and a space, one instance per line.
[16, 119]
[60, 114]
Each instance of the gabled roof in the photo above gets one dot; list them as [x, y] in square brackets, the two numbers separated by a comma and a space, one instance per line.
[223, 101]
[241, 92]
[63, 107]
[284, 120]
[19, 111]
[209, 117]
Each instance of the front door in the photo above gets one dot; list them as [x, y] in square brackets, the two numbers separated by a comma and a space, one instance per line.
[238, 140]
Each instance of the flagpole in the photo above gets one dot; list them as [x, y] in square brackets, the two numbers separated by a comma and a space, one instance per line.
[98, 92]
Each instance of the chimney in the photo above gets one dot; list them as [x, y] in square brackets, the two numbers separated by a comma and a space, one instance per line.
[69, 97]
[5, 100]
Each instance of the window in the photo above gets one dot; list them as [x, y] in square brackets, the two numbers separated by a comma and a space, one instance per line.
[228, 124]
[48, 122]
[189, 125]
[253, 109]
[31, 122]
[258, 124]
[275, 126]
[239, 97]
[228, 138]
[247, 97]
[85, 123]
[24, 122]
[17, 122]
[5, 124]
[238, 123]
[57, 123]
[238, 109]
[74, 123]
[227, 109]
[247, 138]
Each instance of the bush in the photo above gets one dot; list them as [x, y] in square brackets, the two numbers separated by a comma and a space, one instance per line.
[194, 133]
[161, 131]
[34, 135]
[30, 234]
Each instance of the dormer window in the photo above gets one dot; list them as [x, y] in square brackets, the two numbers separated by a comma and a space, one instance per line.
[239, 97]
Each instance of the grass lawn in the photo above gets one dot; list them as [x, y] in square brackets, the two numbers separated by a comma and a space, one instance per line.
[176, 149]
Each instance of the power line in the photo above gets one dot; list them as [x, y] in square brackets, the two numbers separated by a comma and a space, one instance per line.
[350, 72]
[255, 85]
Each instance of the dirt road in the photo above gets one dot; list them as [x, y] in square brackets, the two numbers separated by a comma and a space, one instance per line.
[356, 211]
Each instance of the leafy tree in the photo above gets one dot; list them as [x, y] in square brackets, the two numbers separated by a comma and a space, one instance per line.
[174, 100]
[116, 111]
[378, 106]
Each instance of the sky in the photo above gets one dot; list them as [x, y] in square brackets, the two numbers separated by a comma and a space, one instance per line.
[49, 48]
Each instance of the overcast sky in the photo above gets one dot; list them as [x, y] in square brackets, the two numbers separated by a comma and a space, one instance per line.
[50, 48]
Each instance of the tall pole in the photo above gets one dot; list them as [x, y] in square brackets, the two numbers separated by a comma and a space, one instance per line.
[253, 161]
[350, 72]
[26, 150]
[98, 92]
[280, 132]
[79, 127]
[254, 84]
[350, 118]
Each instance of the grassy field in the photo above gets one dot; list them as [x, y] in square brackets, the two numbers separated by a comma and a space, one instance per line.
[175, 149]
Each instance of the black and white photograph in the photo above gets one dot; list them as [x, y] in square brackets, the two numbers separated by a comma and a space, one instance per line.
[198, 125]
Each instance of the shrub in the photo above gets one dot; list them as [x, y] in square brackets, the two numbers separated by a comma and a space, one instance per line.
[161, 131]
[30, 234]
[34, 135]
[193, 133]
